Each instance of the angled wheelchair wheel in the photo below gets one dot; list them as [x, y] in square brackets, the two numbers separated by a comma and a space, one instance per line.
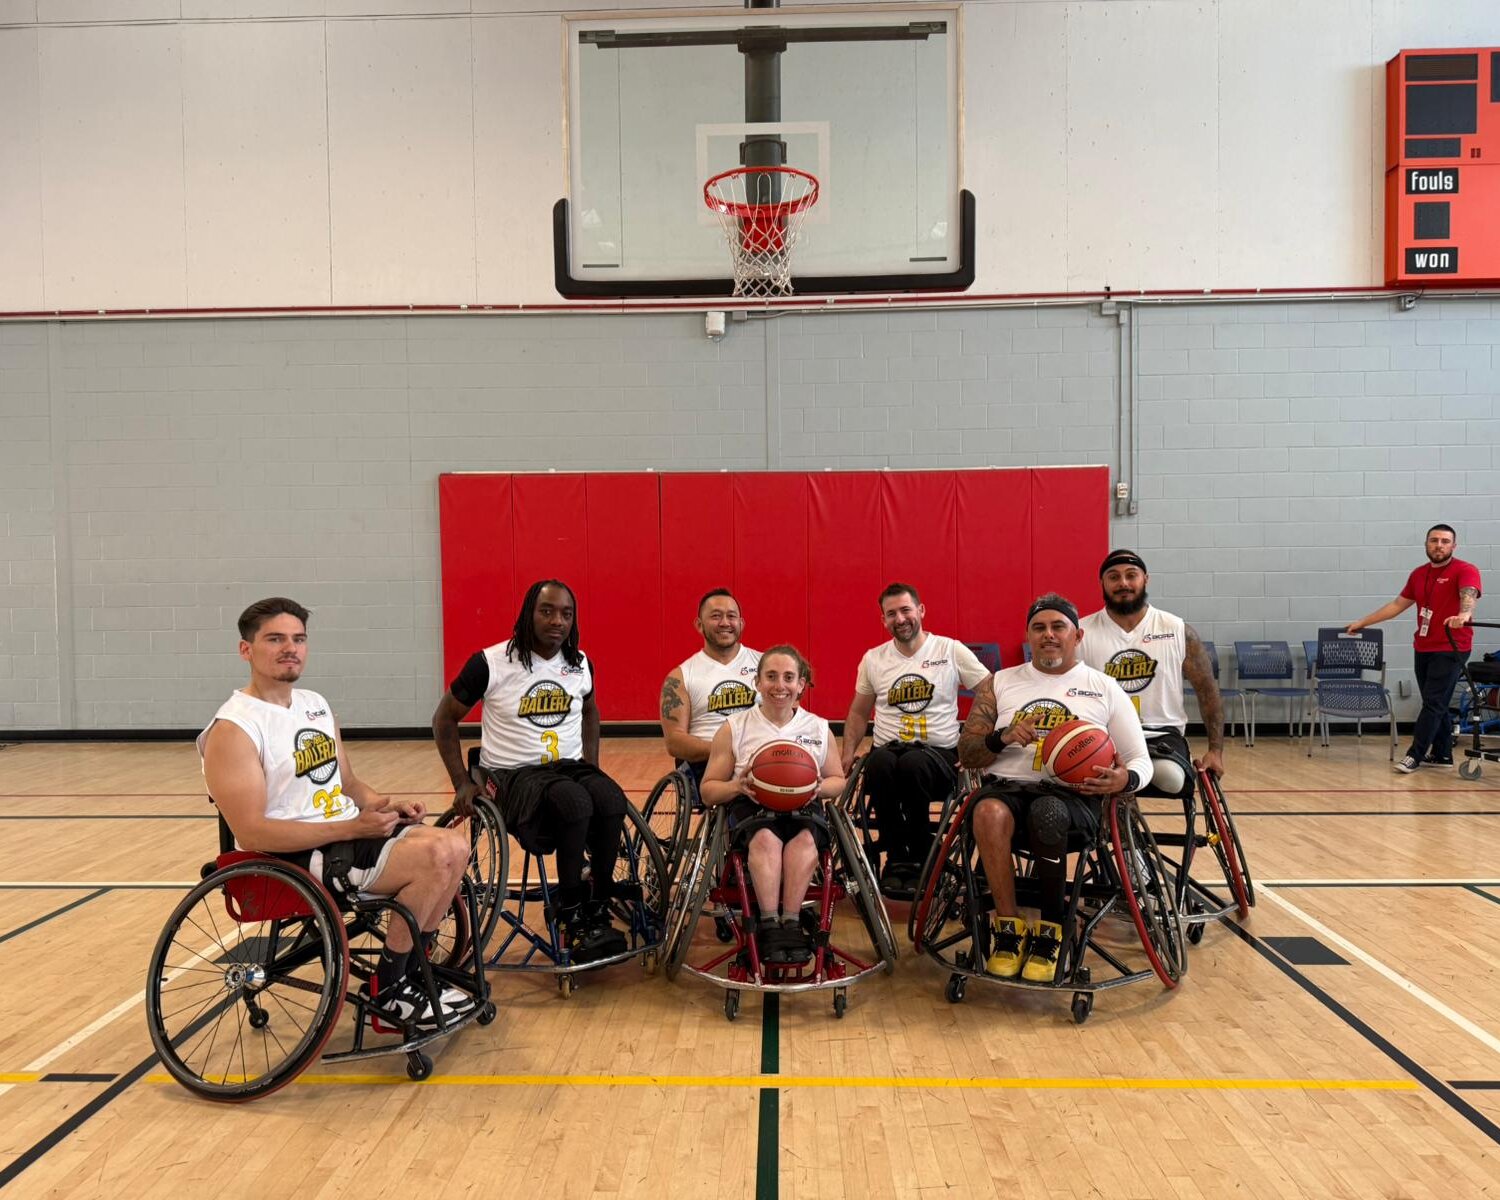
[1147, 890]
[1225, 839]
[930, 864]
[942, 896]
[489, 862]
[859, 882]
[702, 860]
[247, 980]
[668, 811]
[641, 865]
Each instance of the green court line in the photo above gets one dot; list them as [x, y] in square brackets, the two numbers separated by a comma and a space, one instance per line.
[768, 1135]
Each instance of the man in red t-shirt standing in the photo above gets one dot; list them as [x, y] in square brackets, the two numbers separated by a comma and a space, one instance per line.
[1444, 592]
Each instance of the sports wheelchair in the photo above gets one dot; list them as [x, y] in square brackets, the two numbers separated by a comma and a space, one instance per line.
[1120, 872]
[509, 908]
[250, 974]
[1198, 902]
[716, 879]
[669, 810]
[862, 814]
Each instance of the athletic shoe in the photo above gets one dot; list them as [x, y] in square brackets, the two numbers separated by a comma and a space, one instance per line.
[406, 1001]
[1407, 764]
[1046, 948]
[589, 936]
[1008, 946]
[1432, 761]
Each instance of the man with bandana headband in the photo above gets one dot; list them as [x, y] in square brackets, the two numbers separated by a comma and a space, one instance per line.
[1148, 652]
[1013, 712]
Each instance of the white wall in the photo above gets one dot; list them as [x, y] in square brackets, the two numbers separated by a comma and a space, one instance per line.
[225, 153]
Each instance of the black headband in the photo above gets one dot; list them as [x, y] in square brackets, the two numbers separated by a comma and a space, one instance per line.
[1052, 604]
[1121, 558]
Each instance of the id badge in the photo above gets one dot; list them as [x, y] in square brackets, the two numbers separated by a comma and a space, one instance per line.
[1424, 621]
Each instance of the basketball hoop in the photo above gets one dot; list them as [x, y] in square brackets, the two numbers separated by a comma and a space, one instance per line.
[761, 210]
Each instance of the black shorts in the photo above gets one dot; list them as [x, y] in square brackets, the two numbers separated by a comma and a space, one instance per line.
[360, 860]
[747, 818]
[520, 793]
[1083, 811]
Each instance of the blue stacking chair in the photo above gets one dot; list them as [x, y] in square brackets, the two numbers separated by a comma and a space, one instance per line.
[1269, 666]
[989, 654]
[1336, 673]
[1228, 694]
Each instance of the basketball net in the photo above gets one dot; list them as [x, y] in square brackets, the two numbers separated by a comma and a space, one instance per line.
[761, 210]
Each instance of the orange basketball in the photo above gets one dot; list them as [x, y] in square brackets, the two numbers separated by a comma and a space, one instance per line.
[1072, 751]
[783, 776]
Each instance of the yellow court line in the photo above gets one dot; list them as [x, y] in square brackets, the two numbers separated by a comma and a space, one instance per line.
[21, 1077]
[985, 1083]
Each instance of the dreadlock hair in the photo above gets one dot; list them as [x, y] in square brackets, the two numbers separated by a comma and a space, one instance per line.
[804, 668]
[520, 635]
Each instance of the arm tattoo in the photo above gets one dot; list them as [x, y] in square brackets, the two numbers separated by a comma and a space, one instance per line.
[671, 699]
[981, 721]
[1200, 673]
[1466, 598]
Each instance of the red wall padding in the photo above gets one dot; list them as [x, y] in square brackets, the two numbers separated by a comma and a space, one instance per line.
[806, 554]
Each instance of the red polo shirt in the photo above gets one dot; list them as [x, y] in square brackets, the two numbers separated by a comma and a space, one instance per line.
[1434, 590]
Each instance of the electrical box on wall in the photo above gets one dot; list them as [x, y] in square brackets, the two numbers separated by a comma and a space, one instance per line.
[1442, 168]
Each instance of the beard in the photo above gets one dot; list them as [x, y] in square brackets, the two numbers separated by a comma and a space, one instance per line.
[1126, 608]
[1438, 557]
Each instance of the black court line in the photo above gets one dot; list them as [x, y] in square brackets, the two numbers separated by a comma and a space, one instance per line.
[1493, 899]
[1475, 1085]
[78, 1077]
[1426, 1078]
[768, 1133]
[56, 912]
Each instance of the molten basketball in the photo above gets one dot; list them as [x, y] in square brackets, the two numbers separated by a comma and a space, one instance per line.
[1074, 749]
[783, 776]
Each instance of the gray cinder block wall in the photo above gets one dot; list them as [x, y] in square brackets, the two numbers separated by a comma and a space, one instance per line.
[156, 476]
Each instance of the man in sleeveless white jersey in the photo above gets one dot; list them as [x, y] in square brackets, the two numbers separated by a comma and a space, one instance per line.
[1148, 652]
[1012, 714]
[910, 684]
[704, 691]
[278, 773]
[539, 744]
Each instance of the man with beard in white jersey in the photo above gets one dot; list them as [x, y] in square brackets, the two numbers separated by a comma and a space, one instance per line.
[1012, 714]
[277, 770]
[704, 691]
[910, 684]
[783, 847]
[1148, 652]
[539, 744]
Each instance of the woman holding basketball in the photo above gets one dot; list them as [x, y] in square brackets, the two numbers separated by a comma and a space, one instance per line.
[780, 824]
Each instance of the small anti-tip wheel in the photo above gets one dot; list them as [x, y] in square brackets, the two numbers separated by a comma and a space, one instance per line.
[957, 985]
[840, 1002]
[1195, 932]
[418, 1065]
[1470, 768]
[649, 962]
[487, 1013]
[259, 1018]
[731, 1005]
[1083, 1004]
[722, 930]
[565, 985]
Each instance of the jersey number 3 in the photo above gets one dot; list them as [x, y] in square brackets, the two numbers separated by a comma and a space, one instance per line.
[549, 747]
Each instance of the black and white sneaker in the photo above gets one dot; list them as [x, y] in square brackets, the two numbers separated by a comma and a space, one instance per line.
[1433, 760]
[1406, 764]
[406, 1002]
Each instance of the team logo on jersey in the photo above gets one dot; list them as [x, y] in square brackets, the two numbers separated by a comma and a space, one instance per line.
[730, 696]
[934, 662]
[1160, 637]
[569, 669]
[1133, 670]
[806, 739]
[316, 713]
[545, 704]
[1045, 715]
[910, 693]
[315, 755]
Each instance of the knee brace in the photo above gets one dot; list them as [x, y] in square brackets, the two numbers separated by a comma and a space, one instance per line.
[570, 803]
[1049, 823]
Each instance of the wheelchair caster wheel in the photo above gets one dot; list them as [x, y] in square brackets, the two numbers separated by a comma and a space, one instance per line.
[418, 1065]
[1195, 932]
[259, 1018]
[957, 985]
[722, 930]
[962, 959]
[731, 1005]
[487, 1013]
[1083, 1004]
[1470, 769]
[649, 962]
[840, 1002]
[565, 985]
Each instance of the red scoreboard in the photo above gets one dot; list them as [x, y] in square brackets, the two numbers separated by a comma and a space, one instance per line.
[1442, 168]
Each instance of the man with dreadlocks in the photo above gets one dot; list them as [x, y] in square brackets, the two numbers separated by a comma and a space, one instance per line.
[540, 745]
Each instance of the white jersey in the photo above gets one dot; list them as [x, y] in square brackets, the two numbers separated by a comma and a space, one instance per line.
[1146, 661]
[536, 716]
[916, 696]
[750, 730]
[1049, 700]
[716, 691]
[299, 753]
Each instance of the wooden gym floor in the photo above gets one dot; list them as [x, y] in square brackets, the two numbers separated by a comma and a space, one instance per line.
[1261, 1076]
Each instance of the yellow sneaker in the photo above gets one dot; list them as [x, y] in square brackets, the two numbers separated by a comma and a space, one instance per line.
[1008, 946]
[1046, 947]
